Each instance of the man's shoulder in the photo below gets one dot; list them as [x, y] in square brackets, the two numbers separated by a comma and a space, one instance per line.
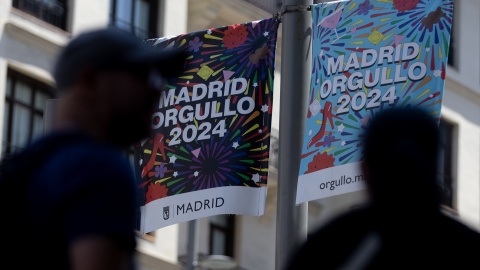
[456, 230]
[331, 243]
[79, 157]
[72, 146]
[353, 222]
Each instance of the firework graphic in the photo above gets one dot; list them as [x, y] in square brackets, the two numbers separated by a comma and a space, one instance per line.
[212, 128]
[409, 42]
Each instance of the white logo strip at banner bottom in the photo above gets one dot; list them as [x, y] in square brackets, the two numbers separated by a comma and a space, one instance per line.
[326, 183]
[193, 205]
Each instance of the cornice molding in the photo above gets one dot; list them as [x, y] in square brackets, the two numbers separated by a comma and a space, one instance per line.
[34, 32]
[32, 71]
[462, 90]
[25, 36]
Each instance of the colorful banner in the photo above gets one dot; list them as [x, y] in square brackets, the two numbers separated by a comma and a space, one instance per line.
[209, 150]
[368, 56]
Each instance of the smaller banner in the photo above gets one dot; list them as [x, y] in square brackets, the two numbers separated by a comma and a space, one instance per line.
[368, 56]
[209, 149]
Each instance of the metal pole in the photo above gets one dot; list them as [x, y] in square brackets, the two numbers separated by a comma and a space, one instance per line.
[192, 245]
[291, 228]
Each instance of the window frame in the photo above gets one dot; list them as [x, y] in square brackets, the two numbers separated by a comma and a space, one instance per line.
[452, 55]
[446, 167]
[41, 12]
[35, 87]
[228, 230]
[152, 30]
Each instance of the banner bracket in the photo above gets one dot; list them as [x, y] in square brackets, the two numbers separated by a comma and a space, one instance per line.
[291, 8]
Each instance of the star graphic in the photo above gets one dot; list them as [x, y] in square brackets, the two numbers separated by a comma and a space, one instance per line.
[256, 178]
[310, 132]
[255, 84]
[188, 82]
[140, 162]
[341, 127]
[173, 158]
[430, 96]
[235, 145]
[259, 130]
[264, 108]
[343, 143]
[437, 73]
[209, 32]
[195, 173]
[265, 34]
[175, 174]
[427, 49]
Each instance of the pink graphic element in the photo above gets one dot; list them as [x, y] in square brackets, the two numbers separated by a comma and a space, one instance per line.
[353, 30]
[365, 120]
[398, 39]
[227, 74]
[254, 23]
[196, 152]
[331, 21]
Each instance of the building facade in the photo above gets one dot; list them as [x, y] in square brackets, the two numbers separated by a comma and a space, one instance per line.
[33, 31]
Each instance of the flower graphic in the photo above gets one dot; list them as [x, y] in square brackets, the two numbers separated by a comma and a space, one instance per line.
[160, 170]
[364, 7]
[235, 36]
[320, 162]
[405, 5]
[328, 140]
[155, 191]
[195, 44]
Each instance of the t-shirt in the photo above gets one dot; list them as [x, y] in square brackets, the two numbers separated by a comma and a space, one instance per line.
[365, 239]
[85, 188]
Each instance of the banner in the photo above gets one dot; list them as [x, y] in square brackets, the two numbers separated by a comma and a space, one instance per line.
[368, 56]
[209, 149]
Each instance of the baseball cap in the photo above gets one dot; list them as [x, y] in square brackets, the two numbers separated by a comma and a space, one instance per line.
[112, 48]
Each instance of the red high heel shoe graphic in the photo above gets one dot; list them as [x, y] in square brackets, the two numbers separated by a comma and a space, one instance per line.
[158, 144]
[327, 114]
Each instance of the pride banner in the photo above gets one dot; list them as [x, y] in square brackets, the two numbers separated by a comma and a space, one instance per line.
[368, 56]
[209, 149]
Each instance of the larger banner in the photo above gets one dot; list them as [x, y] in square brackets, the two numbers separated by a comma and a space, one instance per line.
[368, 56]
[209, 149]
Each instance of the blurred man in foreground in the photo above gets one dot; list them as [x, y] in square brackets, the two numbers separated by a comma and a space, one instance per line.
[80, 194]
[402, 227]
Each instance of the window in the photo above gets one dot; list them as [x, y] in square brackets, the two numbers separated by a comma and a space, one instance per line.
[445, 173]
[53, 12]
[136, 16]
[271, 6]
[222, 235]
[23, 117]
[452, 50]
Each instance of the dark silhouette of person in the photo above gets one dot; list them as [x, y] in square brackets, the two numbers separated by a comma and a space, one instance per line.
[80, 195]
[402, 226]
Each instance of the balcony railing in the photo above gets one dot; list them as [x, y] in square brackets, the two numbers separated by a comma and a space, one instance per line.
[51, 12]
